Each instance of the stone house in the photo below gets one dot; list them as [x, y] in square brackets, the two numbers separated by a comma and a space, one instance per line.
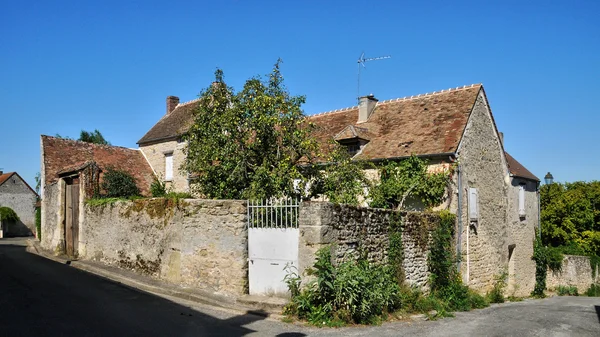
[71, 172]
[452, 127]
[16, 194]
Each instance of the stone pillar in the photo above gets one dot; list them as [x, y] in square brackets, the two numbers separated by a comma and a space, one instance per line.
[314, 222]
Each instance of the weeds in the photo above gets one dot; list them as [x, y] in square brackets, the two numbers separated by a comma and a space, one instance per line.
[567, 291]
[593, 290]
[496, 295]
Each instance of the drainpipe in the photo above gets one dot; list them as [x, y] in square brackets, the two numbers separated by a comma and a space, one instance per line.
[539, 211]
[460, 225]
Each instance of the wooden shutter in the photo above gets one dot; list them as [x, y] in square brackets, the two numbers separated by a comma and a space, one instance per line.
[473, 204]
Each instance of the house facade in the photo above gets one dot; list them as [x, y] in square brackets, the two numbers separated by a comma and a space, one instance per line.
[72, 172]
[16, 194]
[451, 127]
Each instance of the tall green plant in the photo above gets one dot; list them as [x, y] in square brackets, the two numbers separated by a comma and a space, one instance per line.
[545, 258]
[248, 144]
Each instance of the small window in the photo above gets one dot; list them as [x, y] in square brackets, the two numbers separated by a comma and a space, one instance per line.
[522, 200]
[169, 166]
[353, 148]
[473, 204]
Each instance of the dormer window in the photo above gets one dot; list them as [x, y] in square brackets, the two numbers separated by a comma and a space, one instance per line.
[353, 138]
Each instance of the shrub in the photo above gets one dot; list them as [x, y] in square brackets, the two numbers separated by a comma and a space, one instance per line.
[38, 222]
[593, 290]
[353, 292]
[496, 295]
[119, 184]
[567, 291]
[545, 258]
[158, 188]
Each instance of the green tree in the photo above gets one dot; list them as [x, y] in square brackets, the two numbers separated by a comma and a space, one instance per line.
[571, 216]
[342, 180]
[92, 137]
[249, 144]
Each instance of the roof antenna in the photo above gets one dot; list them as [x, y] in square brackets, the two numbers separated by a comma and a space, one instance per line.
[361, 62]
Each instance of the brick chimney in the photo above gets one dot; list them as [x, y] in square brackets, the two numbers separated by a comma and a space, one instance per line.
[366, 106]
[172, 102]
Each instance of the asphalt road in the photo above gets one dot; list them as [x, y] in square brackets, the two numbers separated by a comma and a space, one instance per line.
[39, 297]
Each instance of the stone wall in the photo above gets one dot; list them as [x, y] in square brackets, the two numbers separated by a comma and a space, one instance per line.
[52, 229]
[155, 155]
[16, 194]
[193, 243]
[576, 271]
[483, 166]
[350, 231]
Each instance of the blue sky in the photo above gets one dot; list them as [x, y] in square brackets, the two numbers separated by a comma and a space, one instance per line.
[72, 65]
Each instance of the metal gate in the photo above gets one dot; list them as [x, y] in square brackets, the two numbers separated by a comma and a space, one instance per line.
[272, 244]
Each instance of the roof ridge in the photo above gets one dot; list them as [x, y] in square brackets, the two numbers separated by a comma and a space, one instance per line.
[443, 91]
[400, 99]
[80, 142]
[188, 102]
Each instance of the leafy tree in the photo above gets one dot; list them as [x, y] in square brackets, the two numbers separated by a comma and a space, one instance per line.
[249, 144]
[119, 184]
[409, 177]
[571, 216]
[343, 180]
[93, 137]
[38, 182]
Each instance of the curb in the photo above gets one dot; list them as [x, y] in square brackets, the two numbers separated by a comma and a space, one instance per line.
[265, 307]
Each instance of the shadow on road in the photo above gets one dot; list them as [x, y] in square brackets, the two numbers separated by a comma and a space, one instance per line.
[597, 312]
[43, 297]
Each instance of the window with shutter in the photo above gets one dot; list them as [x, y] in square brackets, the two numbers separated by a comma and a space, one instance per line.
[473, 204]
[522, 201]
[168, 166]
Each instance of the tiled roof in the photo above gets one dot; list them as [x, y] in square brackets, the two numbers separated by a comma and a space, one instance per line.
[173, 124]
[423, 124]
[64, 155]
[4, 177]
[517, 169]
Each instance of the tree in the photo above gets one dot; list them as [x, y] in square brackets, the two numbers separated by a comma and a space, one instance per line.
[249, 144]
[571, 216]
[93, 137]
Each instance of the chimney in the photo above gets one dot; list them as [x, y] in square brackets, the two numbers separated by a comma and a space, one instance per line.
[366, 106]
[501, 138]
[172, 102]
[1, 172]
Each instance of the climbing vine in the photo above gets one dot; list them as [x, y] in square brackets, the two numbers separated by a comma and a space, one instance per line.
[409, 178]
[396, 250]
[545, 258]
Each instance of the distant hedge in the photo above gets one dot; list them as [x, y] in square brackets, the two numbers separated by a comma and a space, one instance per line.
[6, 213]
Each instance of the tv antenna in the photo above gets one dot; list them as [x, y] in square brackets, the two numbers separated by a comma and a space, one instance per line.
[361, 62]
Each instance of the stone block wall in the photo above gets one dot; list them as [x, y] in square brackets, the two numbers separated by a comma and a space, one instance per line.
[576, 271]
[155, 155]
[193, 243]
[350, 231]
[15, 194]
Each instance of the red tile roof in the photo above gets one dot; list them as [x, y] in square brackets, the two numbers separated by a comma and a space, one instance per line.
[64, 155]
[171, 125]
[423, 124]
[4, 177]
[517, 169]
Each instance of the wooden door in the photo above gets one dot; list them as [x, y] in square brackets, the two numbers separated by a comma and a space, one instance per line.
[72, 216]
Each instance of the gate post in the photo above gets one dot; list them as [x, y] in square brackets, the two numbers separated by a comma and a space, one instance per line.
[314, 222]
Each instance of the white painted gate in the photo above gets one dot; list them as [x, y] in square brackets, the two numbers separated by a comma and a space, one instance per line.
[272, 245]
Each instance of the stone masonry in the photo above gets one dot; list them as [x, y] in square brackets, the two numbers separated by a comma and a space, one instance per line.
[350, 231]
[155, 155]
[575, 271]
[194, 243]
[482, 165]
[16, 194]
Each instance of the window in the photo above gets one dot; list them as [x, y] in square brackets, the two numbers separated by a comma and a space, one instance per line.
[168, 166]
[522, 200]
[473, 205]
